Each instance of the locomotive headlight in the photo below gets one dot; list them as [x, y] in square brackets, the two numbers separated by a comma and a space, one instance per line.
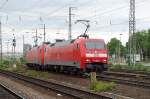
[87, 60]
[102, 55]
[89, 55]
[95, 55]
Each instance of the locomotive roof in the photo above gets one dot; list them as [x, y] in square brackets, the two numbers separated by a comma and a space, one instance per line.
[63, 43]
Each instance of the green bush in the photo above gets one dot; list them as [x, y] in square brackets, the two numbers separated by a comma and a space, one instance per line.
[148, 70]
[117, 67]
[102, 86]
[4, 64]
[22, 60]
[39, 74]
[18, 69]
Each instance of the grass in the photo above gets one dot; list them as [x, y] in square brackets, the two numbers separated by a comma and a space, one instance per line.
[37, 74]
[21, 69]
[31, 73]
[4, 64]
[100, 86]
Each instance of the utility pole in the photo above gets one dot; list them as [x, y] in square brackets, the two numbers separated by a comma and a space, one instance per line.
[44, 33]
[36, 37]
[23, 46]
[1, 46]
[8, 51]
[119, 52]
[7, 48]
[132, 28]
[70, 23]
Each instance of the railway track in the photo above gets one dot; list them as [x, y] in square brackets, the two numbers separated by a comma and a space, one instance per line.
[128, 79]
[128, 74]
[131, 71]
[11, 92]
[55, 86]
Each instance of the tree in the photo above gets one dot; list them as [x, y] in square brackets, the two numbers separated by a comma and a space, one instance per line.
[141, 43]
[113, 47]
[147, 43]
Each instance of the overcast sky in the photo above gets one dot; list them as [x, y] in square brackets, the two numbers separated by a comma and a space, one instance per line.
[108, 18]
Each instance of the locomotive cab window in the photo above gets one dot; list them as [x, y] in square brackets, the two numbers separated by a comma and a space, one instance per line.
[78, 46]
[94, 45]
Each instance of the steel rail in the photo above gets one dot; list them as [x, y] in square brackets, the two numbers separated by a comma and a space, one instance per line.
[18, 96]
[126, 74]
[131, 71]
[123, 80]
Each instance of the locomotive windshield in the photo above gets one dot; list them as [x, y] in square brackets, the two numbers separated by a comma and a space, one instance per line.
[95, 45]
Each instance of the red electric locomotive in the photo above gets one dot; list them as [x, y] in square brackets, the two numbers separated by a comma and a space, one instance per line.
[35, 57]
[76, 55]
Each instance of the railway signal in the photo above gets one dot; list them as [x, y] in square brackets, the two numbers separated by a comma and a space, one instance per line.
[13, 50]
[14, 42]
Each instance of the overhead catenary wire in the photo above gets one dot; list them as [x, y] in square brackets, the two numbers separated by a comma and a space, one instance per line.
[114, 9]
[121, 23]
[59, 9]
[20, 17]
[3, 4]
[116, 24]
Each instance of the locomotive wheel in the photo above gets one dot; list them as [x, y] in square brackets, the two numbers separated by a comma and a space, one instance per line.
[80, 72]
[42, 68]
[75, 71]
[57, 68]
[38, 68]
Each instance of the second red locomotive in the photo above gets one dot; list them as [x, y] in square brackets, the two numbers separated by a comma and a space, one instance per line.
[79, 55]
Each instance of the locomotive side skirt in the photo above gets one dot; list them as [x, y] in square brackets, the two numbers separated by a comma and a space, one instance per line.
[62, 63]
